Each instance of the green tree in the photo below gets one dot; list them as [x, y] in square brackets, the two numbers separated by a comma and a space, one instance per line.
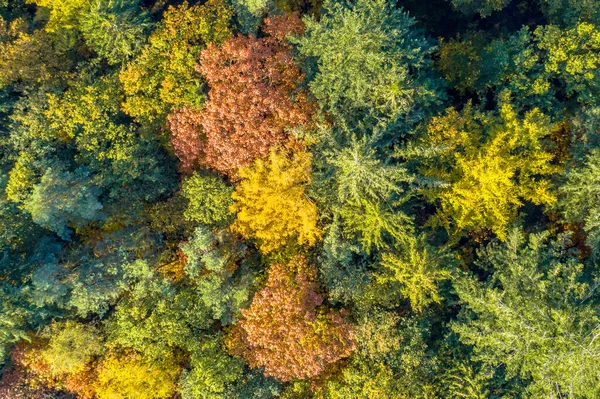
[580, 195]
[71, 346]
[536, 315]
[155, 318]
[364, 189]
[414, 272]
[391, 360]
[63, 14]
[17, 314]
[85, 126]
[209, 199]
[371, 66]
[30, 57]
[344, 267]
[162, 76]
[364, 379]
[571, 55]
[482, 7]
[221, 268]
[115, 29]
[17, 230]
[63, 200]
[212, 372]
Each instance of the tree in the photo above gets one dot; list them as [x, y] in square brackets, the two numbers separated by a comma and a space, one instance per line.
[28, 359]
[579, 197]
[560, 12]
[536, 315]
[17, 314]
[366, 191]
[271, 204]
[30, 58]
[162, 76]
[387, 347]
[71, 346]
[115, 30]
[414, 273]
[568, 13]
[487, 165]
[253, 100]
[63, 14]
[156, 318]
[482, 7]
[89, 279]
[375, 223]
[212, 372]
[17, 231]
[209, 199]
[125, 376]
[63, 199]
[364, 379]
[480, 63]
[343, 266]
[571, 55]
[285, 332]
[550, 68]
[85, 126]
[221, 269]
[460, 60]
[371, 71]
[360, 174]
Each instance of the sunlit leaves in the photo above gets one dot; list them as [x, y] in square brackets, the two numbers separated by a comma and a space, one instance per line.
[271, 204]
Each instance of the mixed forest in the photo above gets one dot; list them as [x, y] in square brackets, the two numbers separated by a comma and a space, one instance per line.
[334, 199]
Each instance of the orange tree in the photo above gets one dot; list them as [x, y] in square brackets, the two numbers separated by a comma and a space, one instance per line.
[253, 100]
[286, 331]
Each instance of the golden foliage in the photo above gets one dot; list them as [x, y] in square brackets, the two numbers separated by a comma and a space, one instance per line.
[271, 202]
[490, 164]
[128, 376]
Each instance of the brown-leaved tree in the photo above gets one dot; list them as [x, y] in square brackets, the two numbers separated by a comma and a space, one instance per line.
[286, 330]
[253, 99]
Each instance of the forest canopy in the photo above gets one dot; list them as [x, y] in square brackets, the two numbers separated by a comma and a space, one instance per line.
[254, 199]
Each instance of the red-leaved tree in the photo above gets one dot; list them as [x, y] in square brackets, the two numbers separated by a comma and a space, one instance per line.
[253, 99]
[286, 330]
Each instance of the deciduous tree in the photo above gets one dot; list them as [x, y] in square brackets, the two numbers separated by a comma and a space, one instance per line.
[162, 76]
[253, 100]
[71, 347]
[209, 199]
[63, 200]
[286, 332]
[221, 268]
[271, 204]
[115, 30]
[487, 166]
[122, 376]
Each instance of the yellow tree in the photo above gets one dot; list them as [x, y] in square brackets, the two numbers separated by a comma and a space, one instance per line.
[162, 76]
[129, 376]
[414, 273]
[488, 164]
[271, 203]
[62, 14]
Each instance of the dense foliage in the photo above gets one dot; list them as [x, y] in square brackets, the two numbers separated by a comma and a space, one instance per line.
[299, 199]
